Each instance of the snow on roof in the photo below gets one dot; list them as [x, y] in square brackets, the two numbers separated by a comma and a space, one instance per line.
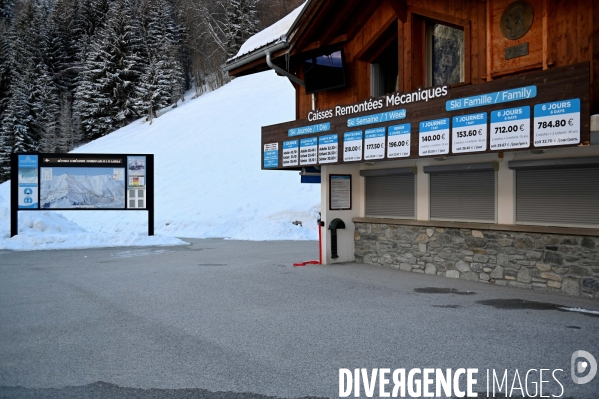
[272, 34]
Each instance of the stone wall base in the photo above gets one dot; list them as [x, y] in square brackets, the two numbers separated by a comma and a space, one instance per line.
[561, 264]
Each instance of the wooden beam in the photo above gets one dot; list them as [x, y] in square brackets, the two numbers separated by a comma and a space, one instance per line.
[363, 17]
[545, 31]
[365, 53]
[312, 24]
[401, 9]
[489, 40]
[340, 19]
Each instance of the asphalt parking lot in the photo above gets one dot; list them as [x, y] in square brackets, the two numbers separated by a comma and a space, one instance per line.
[223, 318]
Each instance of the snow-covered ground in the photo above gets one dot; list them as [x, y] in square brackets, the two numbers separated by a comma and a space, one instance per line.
[208, 179]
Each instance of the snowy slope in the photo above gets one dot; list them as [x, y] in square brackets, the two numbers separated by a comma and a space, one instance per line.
[207, 177]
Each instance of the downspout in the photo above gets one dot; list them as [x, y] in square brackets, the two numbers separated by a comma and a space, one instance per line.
[281, 71]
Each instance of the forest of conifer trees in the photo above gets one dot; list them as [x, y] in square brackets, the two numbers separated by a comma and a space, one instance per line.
[72, 71]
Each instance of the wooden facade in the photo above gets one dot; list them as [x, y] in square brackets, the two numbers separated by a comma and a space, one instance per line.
[562, 33]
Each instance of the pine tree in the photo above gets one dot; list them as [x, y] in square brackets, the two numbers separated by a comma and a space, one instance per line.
[47, 111]
[63, 45]
[31, 112]
[5, 138]
[161, 79]
[5, 56]
[242, 23]
[69, 133]
[7, 10]
[105, 96]
[20, 128]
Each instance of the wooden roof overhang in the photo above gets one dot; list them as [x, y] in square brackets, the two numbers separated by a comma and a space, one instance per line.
[322, 24]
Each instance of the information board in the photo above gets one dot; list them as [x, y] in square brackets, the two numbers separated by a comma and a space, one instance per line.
[28, 184]
[82, 182]
[339, 192]
[271, 155]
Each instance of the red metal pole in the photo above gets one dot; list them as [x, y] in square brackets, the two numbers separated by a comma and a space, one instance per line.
[319, 243]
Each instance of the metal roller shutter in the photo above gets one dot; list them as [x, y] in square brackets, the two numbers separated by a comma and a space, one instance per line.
[558, 197]
[463, 196]
[390, 196]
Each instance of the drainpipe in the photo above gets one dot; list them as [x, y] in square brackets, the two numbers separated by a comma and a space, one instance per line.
[281, 71]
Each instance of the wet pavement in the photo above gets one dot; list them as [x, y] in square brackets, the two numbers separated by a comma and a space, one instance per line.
[235, 319]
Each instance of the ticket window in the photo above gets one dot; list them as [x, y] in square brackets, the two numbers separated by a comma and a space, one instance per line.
[390, 194]
[465, 196]
[558, 197]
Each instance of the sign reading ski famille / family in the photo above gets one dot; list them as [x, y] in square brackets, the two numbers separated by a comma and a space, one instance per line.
[271, 155]
[352, 146]
[510, 128]
[398, 144]
[434, 137]
[504, 96]
[290, 153]
[374, 143]
[557, 123]
[469, 133]
[309, 151]
[328, 148]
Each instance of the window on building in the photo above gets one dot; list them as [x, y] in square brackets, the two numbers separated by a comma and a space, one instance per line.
[384, 71]
[463, 196]
[445, 57]
[558, 197]
[390, 193]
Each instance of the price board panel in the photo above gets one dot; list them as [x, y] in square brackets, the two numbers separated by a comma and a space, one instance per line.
[398, 143]
[539, 109]
[510, 128]
[328, 148]
[434, 137]
[469, 133]
[291, 153]
[557, 123]
[374, 143]
[352, 146]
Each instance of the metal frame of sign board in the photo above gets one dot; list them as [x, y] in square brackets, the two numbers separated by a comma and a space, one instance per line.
[108, 161]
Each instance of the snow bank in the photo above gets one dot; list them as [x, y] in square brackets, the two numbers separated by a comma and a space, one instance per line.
[208, 179]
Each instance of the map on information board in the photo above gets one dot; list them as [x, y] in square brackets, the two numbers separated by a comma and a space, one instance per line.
[82, 188]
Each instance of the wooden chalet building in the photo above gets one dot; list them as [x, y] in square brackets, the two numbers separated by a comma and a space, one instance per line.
[457, 138]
